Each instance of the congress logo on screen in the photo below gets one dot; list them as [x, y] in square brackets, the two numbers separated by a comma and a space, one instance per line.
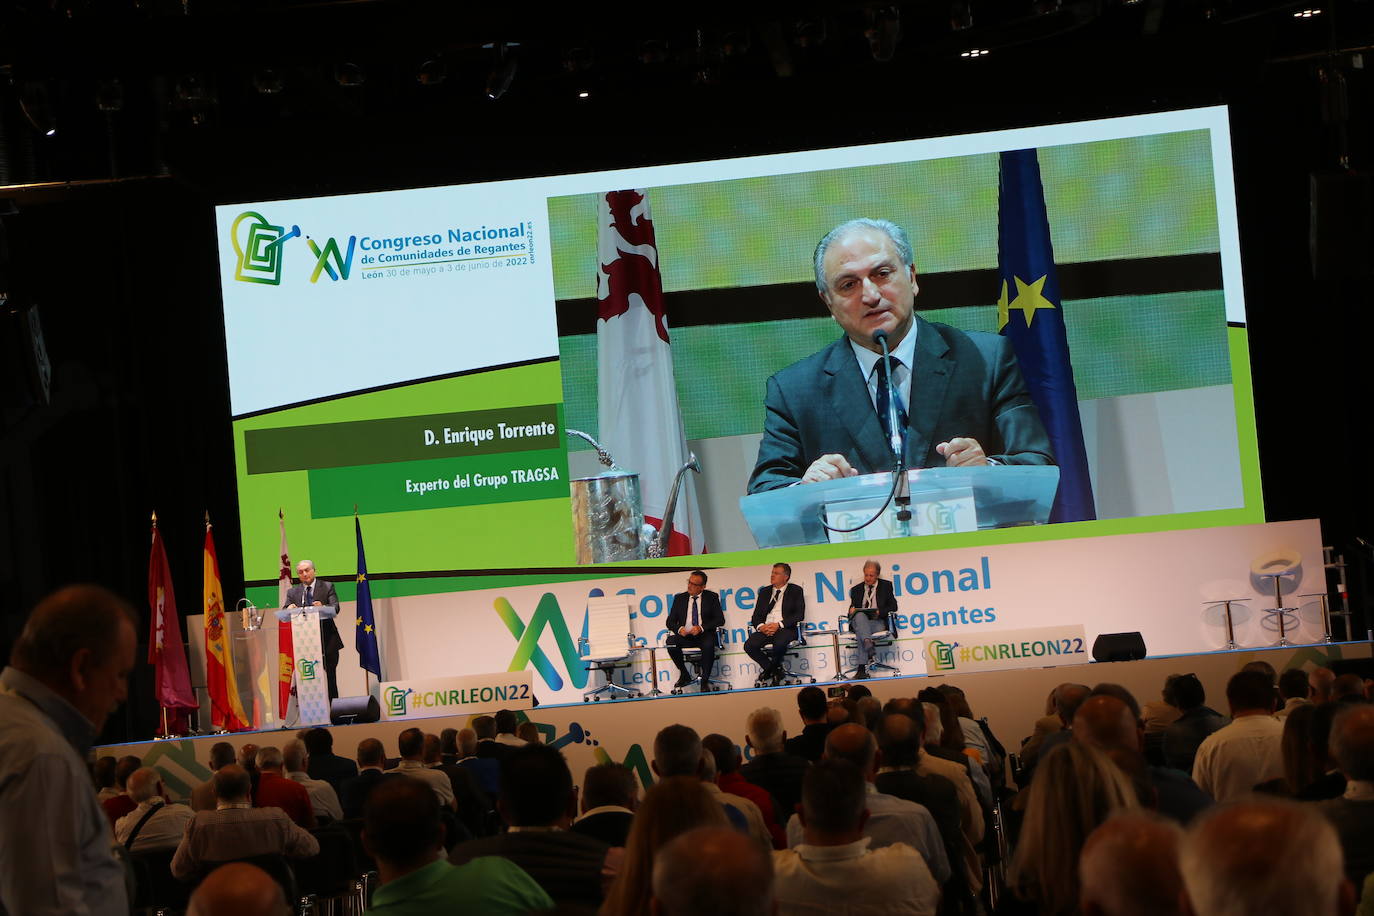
[258, 248]
[395, 699]
[548, 614]
[307, 668]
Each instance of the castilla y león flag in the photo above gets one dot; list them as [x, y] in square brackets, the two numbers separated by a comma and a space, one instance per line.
[166, 651]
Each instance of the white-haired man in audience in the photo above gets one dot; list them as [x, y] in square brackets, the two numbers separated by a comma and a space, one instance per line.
[678, 751]
[324, 801]
[1352, 746]
[203, 795]
[1129, 867]
[237, 830]
[772, 768]
[153, 824]
[1264, 857]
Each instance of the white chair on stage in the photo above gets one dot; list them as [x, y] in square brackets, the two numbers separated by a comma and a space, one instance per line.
[882, 637]
[607, 645]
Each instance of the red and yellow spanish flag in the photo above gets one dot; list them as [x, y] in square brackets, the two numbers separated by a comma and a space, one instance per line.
[226, 710]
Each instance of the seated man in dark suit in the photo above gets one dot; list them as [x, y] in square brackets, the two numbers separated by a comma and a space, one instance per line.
[324, 763]
[692, 623]
[610, 795]
[777, 616]
[538, 801]
[772, 768]
[814, 711]
[870, 603]
[961, 398]
[371, 762]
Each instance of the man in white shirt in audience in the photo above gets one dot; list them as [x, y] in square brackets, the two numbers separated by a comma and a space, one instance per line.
[159, 824]
[1233, 760]
[323, 799]
[834, 869]
[411, 744]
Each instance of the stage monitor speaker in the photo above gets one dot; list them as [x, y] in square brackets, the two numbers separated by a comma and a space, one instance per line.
[1119, 647]
[354, 710]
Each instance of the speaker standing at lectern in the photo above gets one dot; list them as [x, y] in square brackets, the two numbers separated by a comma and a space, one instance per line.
[319, 596]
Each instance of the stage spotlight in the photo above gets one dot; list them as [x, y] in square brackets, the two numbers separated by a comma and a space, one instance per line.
[37, 107]
[961, 15]
[883, 31]
[501, 76]
[1307, 13]
[268, 81]
[349, 75]
[972, 53]
[109, 95]
[584, 94]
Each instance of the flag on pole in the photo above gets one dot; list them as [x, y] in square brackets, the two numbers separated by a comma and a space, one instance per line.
[1030, 288]
[166, 651]
[286, 649]
[365, 640]
[638, 417]
[226, 710]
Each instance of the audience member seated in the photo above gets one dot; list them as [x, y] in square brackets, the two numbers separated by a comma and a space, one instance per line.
[403, 833]
[741, 882]
[103, 775]
[1105, 722]
[940, 724]
[678, 752]
[1348, 688]
[371, 760]
[814, 712]
[672, 807]
[610, 795]
[276, 791]
[237, 830]
[1076, 789]
[411, 744]
[1231, 761]
[248, 759]
[487, 745]
[448, 746]
[773, 769]
[1129, 867]
[1269, 856]
[323, 762]
[1067, 699]
[1301, 767]
[121, 804]
[833, 869]
[528, 732]
[203, 795]
[726, 757]
[153, 824]
[1044, 726]
[236, 889]
[1352, 744]
[324, 801]
[1195, 721]
[975, 739]
[486, 770]
[890, 819]
[507, 723]
[1331, 782]
[1319, 682]
[538, 801]
[473, 804]
[899, 742]
[1293, 691]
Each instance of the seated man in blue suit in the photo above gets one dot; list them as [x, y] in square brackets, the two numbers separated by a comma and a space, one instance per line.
[777, 616]
[692, 623]
[961, 398]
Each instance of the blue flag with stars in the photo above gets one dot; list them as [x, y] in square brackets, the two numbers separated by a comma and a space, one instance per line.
[1030, 313]
[366, 637]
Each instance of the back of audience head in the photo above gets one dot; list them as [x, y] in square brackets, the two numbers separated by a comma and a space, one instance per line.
[318, 742]
[232, 783]
[764, 731]
[124, 768]
[103, 773]
[1250, 692]
[401, 825]
[934, 730]
[80, 642]
[951, 733]
[410, 744]
[235, 889]
[723, 752]
[854, 743]
[671, 807]
[906, 706]
[371, 753]
[294, 756]
[269, 759]
[506, 722]
[1067, 699]
[811, 704]
[1293, 684]
[1129, 867]
[1320, 681]
[144, 783]
[467, 742]
[1264, 668]
[1229, 857]
[868, 711]
[840, 711]
[899, 738]
[857, 692]
[958, 701]
[528, 731]
[537, 787]
[1301, 765]
[1106, 723]
[1184, 692]
[484, 727]
[432, 750]
[677, 752]
[1076, 788]
[248, 756]
[834, 802]
[609, 784]
[1108, 689]
[1352, 742]
[448, 741]
[741, 875]
[1348, 688]
[222, 753]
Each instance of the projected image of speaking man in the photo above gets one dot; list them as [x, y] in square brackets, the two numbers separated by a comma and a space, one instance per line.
[961, 400]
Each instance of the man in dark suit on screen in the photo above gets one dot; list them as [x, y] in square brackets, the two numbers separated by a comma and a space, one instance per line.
[692, 623]
[319, 596]
[777, 616]
[870, 601]
[961, 400]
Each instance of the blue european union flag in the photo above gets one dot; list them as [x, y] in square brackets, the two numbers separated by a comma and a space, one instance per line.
[366, 637]
[1030, 313]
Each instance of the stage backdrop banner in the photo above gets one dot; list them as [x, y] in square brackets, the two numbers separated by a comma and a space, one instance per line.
[452, 696]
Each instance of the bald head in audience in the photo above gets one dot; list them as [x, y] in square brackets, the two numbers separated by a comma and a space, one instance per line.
[1320, 681]
[1107, 724]
[144, 783]
[856, 744]
[1348, 687]
[1230, 861]
[1129, 867]
[232, 784]
[741, 882]
[1067, 699]
[235, 889]
[1352, 742]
